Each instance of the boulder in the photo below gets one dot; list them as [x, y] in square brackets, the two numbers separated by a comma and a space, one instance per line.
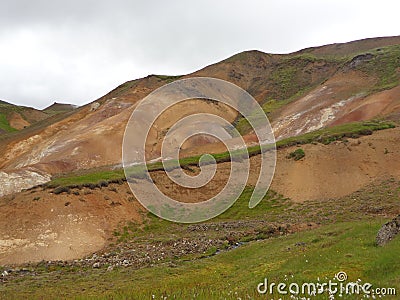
[94, 106]
[388, 231]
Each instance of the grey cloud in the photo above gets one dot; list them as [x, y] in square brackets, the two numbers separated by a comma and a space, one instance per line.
[75, 51]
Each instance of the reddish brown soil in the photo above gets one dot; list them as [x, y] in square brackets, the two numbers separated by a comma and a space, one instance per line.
[40, 225]
[338, 169]
[92, 138]
[380, 104]
[16, 121]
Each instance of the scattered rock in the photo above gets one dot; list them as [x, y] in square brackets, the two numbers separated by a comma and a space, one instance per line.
[388, 231]
[301, 244]
[94, 106]
[125, 263]
[222, 236]
[359, 59]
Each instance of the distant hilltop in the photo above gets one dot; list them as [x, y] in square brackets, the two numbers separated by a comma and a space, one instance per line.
[60, 107]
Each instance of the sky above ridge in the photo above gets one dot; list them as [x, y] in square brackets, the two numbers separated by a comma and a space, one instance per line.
[76, 51]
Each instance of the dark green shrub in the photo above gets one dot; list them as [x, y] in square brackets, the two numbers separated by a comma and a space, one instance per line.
[117, 181]
[103, 183]
[365, 132]
[297, 154]
[91, 186]
[61, 189]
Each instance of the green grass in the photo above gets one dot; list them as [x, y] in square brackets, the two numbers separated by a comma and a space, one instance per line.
[293, 74]
[270, 106]
[344, 242]
[297, 154]
[287, 78]
[273, 204]
[94, 178]
[384, 66]
[5, 111]
[382, 196]
[271, 207]
[35, 128]
[291, 78]
[301, 257]
[339, 132]
[6, 108]
[325, 136]
[53, 112]
[168, 78]
[4, 125]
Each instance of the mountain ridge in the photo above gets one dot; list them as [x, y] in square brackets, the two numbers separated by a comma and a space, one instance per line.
[67, 194]
[300, 92]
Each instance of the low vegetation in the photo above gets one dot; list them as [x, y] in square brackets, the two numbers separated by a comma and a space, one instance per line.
[344, 241]
[285, 241]
[383, 65]
[297, 154]
[35, 127]
[313, 256]
[294, 74]
[168, 78]
[325, 136]
[4, 125]
[337, 133]
[61, 189]
[97, 179]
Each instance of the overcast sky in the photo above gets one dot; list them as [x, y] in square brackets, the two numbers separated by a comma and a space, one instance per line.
[76, 51]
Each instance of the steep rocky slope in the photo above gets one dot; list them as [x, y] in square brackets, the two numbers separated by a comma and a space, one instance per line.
[301, 92]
